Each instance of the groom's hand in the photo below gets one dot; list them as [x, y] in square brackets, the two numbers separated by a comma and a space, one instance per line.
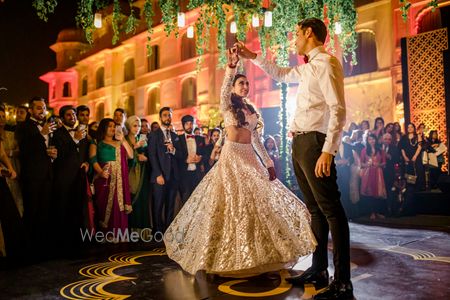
[243, 51]
[323, 165]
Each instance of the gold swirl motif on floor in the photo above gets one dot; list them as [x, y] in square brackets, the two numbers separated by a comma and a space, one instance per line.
[102, 274]
[282, 288]
[416, 254]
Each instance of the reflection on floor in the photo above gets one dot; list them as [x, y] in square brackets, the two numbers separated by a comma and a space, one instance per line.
[386, 264]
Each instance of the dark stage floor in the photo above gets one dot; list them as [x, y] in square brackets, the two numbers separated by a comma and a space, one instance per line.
[387, 263]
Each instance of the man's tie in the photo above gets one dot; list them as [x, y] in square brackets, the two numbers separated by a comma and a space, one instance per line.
[190, 136]
[305, 59]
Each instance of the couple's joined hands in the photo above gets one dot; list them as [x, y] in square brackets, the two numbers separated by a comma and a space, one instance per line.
[238, 50]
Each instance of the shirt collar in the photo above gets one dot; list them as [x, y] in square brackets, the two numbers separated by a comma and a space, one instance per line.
[312, 53]
[68, 128]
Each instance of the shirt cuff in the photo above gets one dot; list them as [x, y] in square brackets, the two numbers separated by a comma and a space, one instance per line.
[269, 164]
[330, 148]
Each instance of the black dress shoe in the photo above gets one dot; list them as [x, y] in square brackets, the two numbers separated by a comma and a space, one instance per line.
[336, 291]
[318, 279]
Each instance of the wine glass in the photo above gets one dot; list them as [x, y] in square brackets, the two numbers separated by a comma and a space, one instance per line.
[167, 141]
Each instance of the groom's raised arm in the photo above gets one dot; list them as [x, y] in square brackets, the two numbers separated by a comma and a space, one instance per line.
[282, 74]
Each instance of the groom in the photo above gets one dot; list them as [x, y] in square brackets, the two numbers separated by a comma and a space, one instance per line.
[317, 128]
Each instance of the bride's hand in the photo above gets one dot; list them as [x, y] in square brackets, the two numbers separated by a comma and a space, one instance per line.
[272, 173]
[232, 57]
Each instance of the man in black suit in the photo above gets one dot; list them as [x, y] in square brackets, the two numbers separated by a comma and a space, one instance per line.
[163, 146]
[36, 156]
[192, 149]
[70, 169]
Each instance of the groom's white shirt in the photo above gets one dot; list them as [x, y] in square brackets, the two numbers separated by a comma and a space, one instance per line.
[320, 94]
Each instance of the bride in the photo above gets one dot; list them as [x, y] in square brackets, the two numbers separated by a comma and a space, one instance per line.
[240, 220]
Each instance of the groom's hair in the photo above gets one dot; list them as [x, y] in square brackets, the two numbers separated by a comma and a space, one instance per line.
[317, 26]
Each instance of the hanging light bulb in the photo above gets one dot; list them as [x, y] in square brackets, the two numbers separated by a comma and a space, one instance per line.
[337, 28]
[98, 20]
[255, 21]
[268, 19]
[181, 19]
[190, 32]
[233, 27]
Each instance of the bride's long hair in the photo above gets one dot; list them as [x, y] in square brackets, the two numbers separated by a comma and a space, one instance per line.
[239, 103]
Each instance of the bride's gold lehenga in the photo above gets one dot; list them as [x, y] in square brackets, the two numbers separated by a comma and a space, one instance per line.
[237, 222]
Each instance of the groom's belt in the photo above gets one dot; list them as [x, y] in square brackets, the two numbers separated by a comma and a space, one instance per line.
[297, 133]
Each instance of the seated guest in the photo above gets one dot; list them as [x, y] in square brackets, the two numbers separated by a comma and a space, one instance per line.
[108, 156]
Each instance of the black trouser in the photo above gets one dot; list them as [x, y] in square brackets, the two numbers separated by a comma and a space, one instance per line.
[164, 196]
[322, 197]
[189, 182]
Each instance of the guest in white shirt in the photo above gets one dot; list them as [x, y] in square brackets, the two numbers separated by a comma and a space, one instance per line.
[191, 163]
[317, 128]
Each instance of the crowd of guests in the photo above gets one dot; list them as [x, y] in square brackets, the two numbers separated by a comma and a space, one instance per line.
[62, 174]
[380, 168]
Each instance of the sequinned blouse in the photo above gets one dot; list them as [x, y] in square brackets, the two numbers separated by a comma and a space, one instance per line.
[251, 119]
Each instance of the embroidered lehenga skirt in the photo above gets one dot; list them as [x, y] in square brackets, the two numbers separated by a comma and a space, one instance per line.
[239, 223]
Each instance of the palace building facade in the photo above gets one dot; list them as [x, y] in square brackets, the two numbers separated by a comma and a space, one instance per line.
[105, 76]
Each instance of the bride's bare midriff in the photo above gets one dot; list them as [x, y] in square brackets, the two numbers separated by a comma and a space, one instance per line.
[238, 135]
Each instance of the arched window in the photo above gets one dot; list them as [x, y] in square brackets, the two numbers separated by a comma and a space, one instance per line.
[100, 78]
[153, 102]
[129, 70]
[100, 111]
[129, 105]
[366, 55]
[187, 48]
[189, 92]
[153, 60]
[66, 90]
[84, 86]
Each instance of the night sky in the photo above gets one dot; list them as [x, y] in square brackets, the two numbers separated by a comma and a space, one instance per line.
[24, 47]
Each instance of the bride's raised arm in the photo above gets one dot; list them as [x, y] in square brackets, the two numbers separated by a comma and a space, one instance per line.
[227, 85]
[225, 92]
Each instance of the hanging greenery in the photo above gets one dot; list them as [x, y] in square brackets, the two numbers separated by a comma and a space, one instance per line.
[286, 14]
